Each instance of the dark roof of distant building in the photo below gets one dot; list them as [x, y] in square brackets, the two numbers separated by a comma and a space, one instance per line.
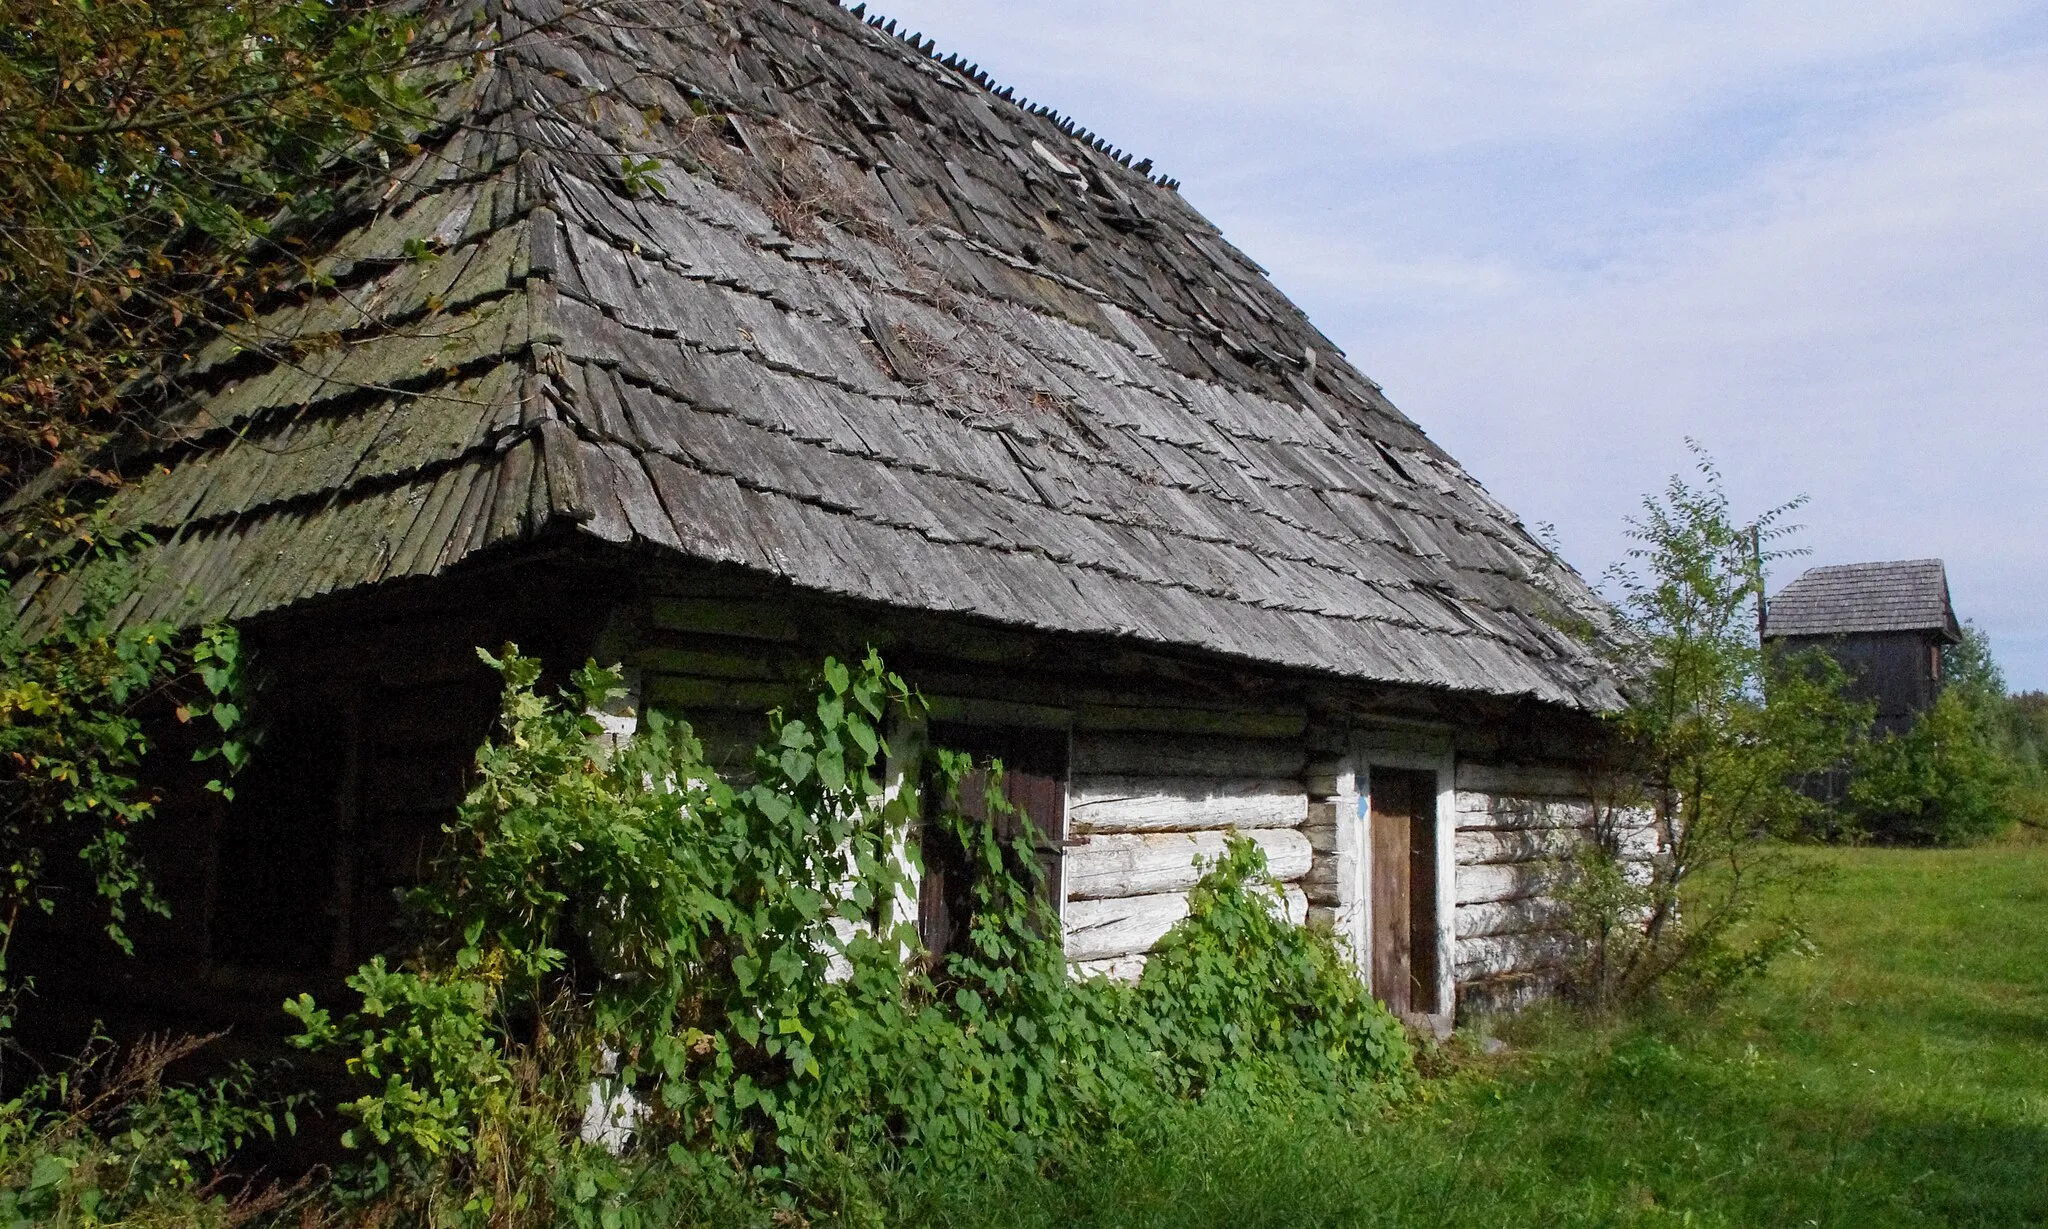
[850, 316]
[1907, 595]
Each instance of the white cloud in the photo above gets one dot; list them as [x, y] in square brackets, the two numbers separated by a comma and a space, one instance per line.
[1564, 236]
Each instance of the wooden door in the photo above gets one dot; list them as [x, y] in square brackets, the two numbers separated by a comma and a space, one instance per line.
[1404, 956]
[1034, 783]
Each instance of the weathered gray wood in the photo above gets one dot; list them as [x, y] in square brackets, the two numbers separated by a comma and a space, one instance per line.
[1402, 740]
[1183, 720]
[1495, 811]
[1484, 846]
[684, 696]
[1102, 753]
[1507, 992]
[1477, 884]
[1277, 514]
[1324, 883]
[1119, 968]
[1182, 804]
[1137, 864]
[1106, 929]
[1503, 917]
[1493, 954]
[1530, 780]
[1132, 925]
[977, 710]
[1324, 838]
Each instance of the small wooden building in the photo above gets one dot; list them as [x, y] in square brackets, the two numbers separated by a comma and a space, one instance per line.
[1885, 623]
[712, 338]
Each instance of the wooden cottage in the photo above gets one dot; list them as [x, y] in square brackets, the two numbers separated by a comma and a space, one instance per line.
[714, 337]
[1885, 623]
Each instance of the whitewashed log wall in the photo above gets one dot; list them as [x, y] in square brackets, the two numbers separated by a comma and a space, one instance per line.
[1142, 807]
[1153, 787]
[1514, 823]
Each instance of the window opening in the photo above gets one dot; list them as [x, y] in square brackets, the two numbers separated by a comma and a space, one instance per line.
[1035, 783]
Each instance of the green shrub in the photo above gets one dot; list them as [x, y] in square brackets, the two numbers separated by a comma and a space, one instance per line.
[1717, 732]
[107, 1142]
[1238, 998]
[732, 966]
[73, 743]
[1942, 782]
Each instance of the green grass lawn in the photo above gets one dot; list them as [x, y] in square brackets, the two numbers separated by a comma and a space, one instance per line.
[1898, 1077]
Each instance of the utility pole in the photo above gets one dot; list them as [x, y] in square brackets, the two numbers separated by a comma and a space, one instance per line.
[1756, 567]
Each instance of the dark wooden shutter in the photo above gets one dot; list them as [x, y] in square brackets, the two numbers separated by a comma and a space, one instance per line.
[1035, 783]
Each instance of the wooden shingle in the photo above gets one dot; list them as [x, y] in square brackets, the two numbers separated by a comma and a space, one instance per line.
[894, 338]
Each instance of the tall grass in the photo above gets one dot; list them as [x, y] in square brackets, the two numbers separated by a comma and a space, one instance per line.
[1894, 1078]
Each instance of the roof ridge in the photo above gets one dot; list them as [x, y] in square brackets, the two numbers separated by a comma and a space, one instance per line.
[1874, 563]
[973, 73]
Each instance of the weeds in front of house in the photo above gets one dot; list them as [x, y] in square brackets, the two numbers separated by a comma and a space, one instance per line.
[641, 991]
[110, 1141]
[641, 994]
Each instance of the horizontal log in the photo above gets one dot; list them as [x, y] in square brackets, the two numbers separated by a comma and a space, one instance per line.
[681, 696]
[1508, 992]
[1099, 804]
[1494, 954]
[1323, 838]
[1129, 926]
[1408, 742]
[1479, 884]
[1140, 864]
[1482, 847]
[1487, 846]
[1508, 917]
[1104, 753]
[1119, 968]
[975, 710]
[1170, 719]
[686, 662]
[1496, 811]
[1133, 925]
[756, 620]
[1325, 880]
[1528, 780]
[1639, 844]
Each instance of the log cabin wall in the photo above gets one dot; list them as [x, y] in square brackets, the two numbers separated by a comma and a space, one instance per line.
[370, 714]
[1164, 756]
[1514, 821]
[1146, 802]
[380, 705]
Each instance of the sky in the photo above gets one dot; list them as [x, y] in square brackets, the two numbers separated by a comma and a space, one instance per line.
[1811, 235]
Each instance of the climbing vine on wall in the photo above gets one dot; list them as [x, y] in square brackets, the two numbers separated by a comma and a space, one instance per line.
[638, 983]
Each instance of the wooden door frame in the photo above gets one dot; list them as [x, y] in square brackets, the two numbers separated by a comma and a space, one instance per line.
[917, 738]
[1411, 751]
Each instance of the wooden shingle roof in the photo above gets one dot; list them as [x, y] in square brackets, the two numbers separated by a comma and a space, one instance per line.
[1909, 595]
[758, 282]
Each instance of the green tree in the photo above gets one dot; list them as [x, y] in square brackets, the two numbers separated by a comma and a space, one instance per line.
[160, 161]
[73, 741]
[1720, 731]
[1962, 772]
